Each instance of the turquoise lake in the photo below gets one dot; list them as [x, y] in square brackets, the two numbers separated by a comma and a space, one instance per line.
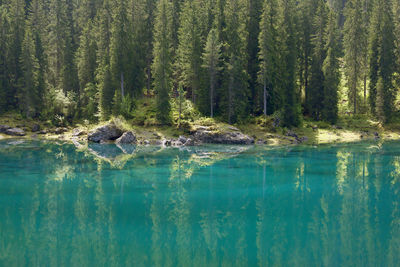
[62, 205]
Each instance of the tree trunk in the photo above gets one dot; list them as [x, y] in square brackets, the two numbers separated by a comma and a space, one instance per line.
[230, 111]
[122, 84]
[265, 99]
[212, 95]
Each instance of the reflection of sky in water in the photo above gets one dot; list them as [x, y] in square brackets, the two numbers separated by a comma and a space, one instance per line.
[199, 206]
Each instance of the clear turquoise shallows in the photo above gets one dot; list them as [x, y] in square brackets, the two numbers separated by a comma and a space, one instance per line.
[104, 205]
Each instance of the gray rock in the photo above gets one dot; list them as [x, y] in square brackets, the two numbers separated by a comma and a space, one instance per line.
[35, 128]
[176, 143]
[146, 142]
[78, 132]
[42, 132]
[182, 139]
[233, 138]
[376, 134]
[166, 142]
[3, 128]
[127, 138]
[189, 142]
[60, 130]
[292, 134]
[15, 132]
[104, 133]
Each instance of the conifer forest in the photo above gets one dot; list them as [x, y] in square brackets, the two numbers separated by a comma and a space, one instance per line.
[231, 59]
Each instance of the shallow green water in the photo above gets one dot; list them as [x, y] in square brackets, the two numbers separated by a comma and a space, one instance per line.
[205, 206]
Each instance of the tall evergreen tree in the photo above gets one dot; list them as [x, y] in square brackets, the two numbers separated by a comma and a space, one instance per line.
[291, 109]
[161, 68]
[331, 71]
[318, 56]
[253, 28]
[103, 75]
[236, 77]
[211, 58]
[28, 97]
[4, 80]
[190, 48]
[269, 57]
[387, 63]
[354, 33]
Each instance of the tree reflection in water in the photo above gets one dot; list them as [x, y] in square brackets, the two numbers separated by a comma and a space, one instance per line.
[200, 206]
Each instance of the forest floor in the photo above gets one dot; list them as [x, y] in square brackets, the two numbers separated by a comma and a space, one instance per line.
[348, 129]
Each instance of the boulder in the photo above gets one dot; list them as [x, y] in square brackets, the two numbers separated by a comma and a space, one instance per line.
[104, 133]
[189, 142]
[127, 138]
[15, 132]
[35, 128]
[176, 143]
[60, 130]
[78, 132]
[215, 137]
[182, 139]
[3, 128]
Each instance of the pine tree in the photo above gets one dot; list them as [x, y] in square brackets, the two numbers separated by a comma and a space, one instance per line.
[190, 48]
[269, 57]
[161, 67]
[28, 96]
[354, 33]
[291, 109]
[318, 56]
[120, 48]
[15, 73]
[4, 81]
[87, 65]
[211, 58]
[331, 71]
[103, 74]
[236, 77]
[36, 21]
[386, 63]
[374, 48]
[253, 28]
[382, 61]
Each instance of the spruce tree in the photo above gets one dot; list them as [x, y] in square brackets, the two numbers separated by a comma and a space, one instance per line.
[28, 97]
[386, 63]
[318, 56]
[189, 50]
[331, 71]
[4, 81]
[354, 33]
[103, 74]
[236, 78]
[211, 58]
[291, 109]
[269, 57]
[382, 61]
[161, 68]
[87, 65]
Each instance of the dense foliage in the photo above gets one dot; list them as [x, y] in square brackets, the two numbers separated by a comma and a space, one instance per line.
[233, 59]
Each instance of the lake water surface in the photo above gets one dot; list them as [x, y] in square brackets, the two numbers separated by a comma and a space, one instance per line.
[202, 206]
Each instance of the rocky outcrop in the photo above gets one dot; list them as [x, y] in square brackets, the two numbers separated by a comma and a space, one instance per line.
[235, 137]
[15, 132]
[127, 138]
[105, 133]
[78, 132]
[4, 128]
